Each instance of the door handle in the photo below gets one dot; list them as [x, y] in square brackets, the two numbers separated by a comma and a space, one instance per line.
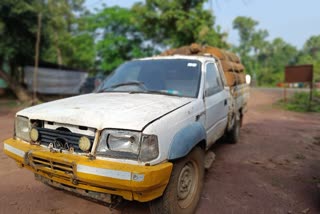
[199, 115]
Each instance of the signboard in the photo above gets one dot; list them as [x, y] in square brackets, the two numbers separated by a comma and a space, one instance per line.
[299, 73]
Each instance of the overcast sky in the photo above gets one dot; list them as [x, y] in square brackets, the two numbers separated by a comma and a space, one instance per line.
[293, 20]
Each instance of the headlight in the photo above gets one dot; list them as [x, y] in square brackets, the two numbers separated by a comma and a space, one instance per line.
[84, 143]
[128, 144]
[120, 141]
[34, 135]
[149, 148]
[22, 128]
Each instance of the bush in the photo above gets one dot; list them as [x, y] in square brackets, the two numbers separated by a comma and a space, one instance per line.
[300, 102]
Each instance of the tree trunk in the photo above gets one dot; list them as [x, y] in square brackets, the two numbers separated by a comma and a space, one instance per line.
[36, 60]
[17, 89]
[59, 55]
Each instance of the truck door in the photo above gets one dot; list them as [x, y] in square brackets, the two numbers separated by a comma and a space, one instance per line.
[215, 99]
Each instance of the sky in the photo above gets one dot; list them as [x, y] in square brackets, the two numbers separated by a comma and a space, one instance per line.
[293, 20]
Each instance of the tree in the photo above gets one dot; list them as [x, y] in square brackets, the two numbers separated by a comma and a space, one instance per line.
[118, 38]
[310, 54]
[264, 60]
[246, 29]
[273, 60]
[252, 43]
[178, 22]
[18, 21]
[62, 41]
[70, 42]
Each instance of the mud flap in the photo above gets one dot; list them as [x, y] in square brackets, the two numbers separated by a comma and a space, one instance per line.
[209, 158]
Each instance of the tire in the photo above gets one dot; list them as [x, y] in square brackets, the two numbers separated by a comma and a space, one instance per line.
[241, 120]
[234, 134]
[184, 188]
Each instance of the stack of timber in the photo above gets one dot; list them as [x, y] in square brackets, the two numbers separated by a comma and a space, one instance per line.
[230, 62]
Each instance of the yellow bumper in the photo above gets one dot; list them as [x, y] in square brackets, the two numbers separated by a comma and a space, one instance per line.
[132, 182]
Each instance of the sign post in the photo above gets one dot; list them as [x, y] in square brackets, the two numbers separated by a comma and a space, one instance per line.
[311, 91]
[299, 73]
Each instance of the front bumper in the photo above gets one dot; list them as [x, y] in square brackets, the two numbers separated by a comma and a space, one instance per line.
[132, 182]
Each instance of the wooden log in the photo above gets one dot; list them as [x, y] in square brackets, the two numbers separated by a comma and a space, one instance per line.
[196, 49]
[233, 57]
[215, 52]
[231, 66]
[230, 78]
[242, 78]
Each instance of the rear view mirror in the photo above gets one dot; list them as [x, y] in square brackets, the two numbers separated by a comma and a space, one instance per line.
[248, 79]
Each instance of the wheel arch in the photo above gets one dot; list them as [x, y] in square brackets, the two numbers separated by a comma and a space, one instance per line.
[186, 139]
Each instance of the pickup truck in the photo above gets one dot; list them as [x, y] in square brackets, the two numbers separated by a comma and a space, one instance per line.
[144, 135]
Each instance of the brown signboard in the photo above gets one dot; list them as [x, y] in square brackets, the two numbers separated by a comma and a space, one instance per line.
[299, 73]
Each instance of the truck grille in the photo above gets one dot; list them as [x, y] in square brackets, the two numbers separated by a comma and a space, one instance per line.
[51, 166]
[67, 138]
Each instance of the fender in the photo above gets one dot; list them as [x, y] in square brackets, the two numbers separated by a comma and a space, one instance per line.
[185, 139]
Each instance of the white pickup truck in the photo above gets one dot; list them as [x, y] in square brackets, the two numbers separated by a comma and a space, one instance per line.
[144, 135]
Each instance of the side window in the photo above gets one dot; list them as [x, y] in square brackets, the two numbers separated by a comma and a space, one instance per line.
[220, 73]
[213, 80]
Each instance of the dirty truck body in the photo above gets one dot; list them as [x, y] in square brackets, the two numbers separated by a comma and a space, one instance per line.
[145, 133]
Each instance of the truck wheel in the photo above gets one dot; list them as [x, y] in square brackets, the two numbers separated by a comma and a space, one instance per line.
[184, 188]
[234, 134]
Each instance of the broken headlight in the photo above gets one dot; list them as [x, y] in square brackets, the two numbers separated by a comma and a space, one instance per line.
[120, 141]
[22, 128]
[128, 144]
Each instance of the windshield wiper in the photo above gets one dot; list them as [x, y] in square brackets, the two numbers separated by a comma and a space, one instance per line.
[123, 84]
[155, 92]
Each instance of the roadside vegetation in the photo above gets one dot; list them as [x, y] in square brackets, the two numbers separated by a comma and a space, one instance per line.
[300, 102]
[12, 104]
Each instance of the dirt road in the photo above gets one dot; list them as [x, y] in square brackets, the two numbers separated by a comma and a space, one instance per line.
[275, 168]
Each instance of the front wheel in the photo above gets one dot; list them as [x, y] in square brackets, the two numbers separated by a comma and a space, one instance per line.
[184, 189]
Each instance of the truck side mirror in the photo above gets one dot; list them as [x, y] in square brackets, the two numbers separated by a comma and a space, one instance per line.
[248, 79]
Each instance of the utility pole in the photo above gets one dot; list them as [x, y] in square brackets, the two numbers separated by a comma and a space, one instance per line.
[36, 60]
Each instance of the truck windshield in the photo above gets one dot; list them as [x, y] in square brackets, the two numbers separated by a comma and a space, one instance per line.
[179, 77]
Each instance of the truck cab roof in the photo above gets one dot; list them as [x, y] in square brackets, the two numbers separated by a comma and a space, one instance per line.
[202, 58]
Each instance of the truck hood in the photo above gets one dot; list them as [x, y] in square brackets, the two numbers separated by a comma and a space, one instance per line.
[106, 110]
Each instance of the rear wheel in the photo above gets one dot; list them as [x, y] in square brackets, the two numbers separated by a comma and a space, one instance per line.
[234, 134]
[184, 189]
[241, 120]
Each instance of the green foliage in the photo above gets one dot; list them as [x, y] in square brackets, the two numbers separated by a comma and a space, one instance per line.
[82, 52]
[18, 21]
[246, 28]
[273, 60]
[300, 102]
[310, 54]
[70, 43]
[264, 60]
[176, 23]
[59, 33]
[252, 42]
[119, 37]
